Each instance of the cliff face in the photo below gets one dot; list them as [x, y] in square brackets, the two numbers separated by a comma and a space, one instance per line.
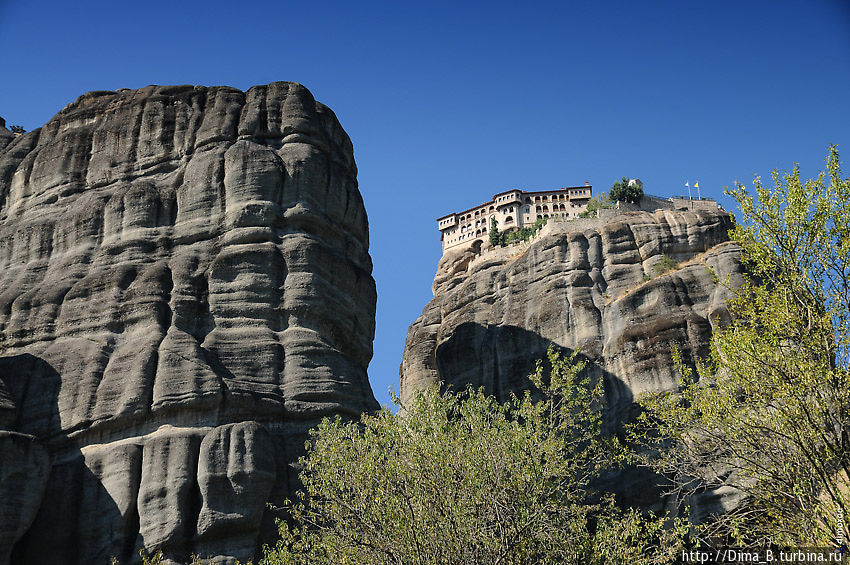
[185, 288]
[623, 291]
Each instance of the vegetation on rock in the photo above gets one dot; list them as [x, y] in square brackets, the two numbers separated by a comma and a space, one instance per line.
[522, 234]
[595, 204]
[768, 412]
[460, 478]
[666, 264]
[494, 232]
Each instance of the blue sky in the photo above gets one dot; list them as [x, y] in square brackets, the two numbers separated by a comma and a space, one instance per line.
[448, 103]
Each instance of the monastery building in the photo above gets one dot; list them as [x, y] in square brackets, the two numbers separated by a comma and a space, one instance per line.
[513, 210]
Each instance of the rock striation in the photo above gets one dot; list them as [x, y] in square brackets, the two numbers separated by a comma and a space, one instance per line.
[185, 289]
[621, 290]
[6, 136]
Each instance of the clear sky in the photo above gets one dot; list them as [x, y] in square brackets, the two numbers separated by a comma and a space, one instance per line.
[448, 103]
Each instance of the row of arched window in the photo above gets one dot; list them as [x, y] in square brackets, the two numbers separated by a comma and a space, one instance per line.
[467, 235]
[545, 208]
[464, 229]
[485, 210]
[561, 196]
[481, 212]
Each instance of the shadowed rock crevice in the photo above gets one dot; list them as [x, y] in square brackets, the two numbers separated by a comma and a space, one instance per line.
[57, 527]
[500, 359]
[185, 289]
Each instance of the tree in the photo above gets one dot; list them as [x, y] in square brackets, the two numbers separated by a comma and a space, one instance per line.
[626, 191]
[17, 129]
[494, 232]
[460, 478]
[768, 412]
[595, 204]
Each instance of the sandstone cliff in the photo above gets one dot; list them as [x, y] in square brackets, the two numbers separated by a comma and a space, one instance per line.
[621, 290]
[185, 288]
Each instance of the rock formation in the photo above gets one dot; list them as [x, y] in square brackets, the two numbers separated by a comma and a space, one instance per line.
[6, 136]
[185, 289]
[622, 290]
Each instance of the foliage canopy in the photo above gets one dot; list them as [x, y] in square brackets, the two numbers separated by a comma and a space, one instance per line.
[595, 204]
[460, 478]
[768, 412]
[522, 234]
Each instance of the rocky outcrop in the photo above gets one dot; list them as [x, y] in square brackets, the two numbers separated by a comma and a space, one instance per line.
[185, 289]
[622, 291]
[6, 136]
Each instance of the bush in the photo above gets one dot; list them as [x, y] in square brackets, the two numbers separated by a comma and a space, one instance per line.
[460, 478]
[665, 265]
[524, 234]
[767, 412]
[17, 129]
[595, 204]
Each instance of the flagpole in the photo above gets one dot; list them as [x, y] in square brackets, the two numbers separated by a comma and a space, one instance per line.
[696, 184]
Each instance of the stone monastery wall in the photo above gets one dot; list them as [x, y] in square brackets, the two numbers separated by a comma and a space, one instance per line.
[513, 209]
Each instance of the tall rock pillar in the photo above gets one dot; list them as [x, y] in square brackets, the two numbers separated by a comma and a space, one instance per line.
[185, 289]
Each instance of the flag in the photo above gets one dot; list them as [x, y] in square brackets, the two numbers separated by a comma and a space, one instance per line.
[696, 185]
[687, 185]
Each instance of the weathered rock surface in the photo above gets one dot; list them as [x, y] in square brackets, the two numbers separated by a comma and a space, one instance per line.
[24, 467]
[6, 136]
[185, 288]
[581, 285]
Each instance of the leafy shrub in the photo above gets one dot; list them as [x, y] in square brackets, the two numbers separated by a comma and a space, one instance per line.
[460, 478]
[769, 406]
[665, 265]
[523, 234]
[595, 204]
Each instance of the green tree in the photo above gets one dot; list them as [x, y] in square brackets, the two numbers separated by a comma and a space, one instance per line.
[622, 191]
[768, 412]
[494, 232]
[17, 129]
[594, 204]
[460, 479]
